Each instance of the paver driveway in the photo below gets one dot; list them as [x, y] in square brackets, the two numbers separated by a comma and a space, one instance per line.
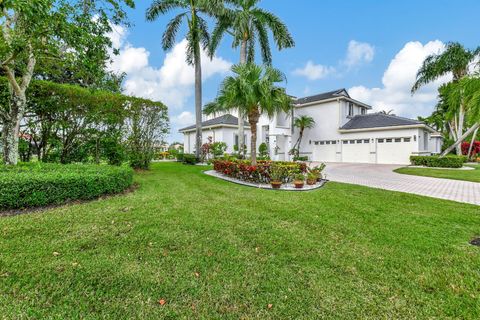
[383, 177]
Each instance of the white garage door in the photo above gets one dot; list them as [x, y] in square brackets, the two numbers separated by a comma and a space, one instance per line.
[394, 150]
[356, 151]
[325, 151]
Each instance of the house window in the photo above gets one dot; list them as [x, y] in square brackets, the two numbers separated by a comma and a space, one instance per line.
[389, 140]
[366, 141]
[322, 143]
[406, 139]
[345, 141]
[350, 109]
[334, 142]
[398, 139]
[327, 142]
[352, 141]
[316, 143]
[364, 111]
[381, 140]
[359, 141]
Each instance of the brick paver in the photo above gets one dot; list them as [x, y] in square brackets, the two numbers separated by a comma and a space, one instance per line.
[383, 177]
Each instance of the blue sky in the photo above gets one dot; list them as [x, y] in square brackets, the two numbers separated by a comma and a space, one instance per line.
[372, 48]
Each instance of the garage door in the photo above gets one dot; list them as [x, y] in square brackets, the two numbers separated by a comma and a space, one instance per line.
[356, 151]
[394, 150]
[325, 151]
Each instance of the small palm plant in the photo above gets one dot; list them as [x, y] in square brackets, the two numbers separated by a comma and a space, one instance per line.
[302, 123]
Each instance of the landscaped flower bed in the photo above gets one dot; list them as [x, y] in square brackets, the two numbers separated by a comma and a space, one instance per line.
[260, 173]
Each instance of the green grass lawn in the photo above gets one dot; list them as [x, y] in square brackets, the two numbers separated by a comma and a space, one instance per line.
[212, 249]
[467, 175]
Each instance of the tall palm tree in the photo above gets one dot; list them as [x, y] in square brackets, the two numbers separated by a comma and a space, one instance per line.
[246, 23]
[254, 90]
[197, 36]
[302, 123]
[456, 59]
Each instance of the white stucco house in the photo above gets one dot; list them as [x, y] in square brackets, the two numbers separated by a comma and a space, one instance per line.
[345, 131]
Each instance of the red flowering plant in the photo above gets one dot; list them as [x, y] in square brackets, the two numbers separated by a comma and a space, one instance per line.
[260, 173]
[475, 149]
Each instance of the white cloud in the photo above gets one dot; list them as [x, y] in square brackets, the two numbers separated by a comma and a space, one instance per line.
[172, 83]
[313, 71]
[398, 80]
[359, 53]
[185, 118]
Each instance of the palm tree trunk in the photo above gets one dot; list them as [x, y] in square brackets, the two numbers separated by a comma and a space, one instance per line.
[461, 119]
[198, 103]
[461, 139]
[300, 140]
[241, 128]
[253, 120]
[470, 148]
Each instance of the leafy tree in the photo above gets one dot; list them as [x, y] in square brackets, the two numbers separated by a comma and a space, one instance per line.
[302, 123]
[191, 12]
[249, 24]
[36, 31]
[254, 89]
[455, 60]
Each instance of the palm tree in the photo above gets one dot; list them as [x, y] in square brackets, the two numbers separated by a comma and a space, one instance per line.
[197, 36]
[246, 23]
[302, 123]
[469, 89]
[253, 89]
[456, 59]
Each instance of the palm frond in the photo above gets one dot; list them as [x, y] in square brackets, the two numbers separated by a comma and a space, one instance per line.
[170, 34]
[161, 7]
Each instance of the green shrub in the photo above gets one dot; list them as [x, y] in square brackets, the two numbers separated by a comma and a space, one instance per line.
[40, 184]
[436, 161]
[180, 156]
[300, 158]
[190, 158]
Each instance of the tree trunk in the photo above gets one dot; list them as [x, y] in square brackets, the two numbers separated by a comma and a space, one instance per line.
[461, 119]
[198, 104]
[253, 120]
[472, 143]
[241, 129]
[11, 128]
[461, 139]
[300, 140]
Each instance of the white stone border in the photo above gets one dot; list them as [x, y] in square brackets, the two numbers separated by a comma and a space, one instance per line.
[284, 187]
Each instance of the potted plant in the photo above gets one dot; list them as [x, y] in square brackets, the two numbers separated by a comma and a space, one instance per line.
[299, 180]
[317, 171]
[312, 178]
[276, 176]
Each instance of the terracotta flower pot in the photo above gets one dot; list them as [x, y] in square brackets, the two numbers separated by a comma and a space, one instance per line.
[311, 182]
[276, 184]
[298, 184]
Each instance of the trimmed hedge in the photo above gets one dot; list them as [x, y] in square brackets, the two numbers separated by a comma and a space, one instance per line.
[190, 159]
[436, 161]
[40, 184]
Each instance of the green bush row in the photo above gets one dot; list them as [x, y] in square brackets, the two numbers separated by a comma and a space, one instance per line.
[40, 184]
[436, 161]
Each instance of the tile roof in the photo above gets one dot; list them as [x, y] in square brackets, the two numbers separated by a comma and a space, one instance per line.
[226, 119]
[323, 96]
[377, 120]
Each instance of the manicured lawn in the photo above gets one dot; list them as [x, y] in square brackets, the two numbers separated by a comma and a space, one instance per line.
[212, 250]
[467, 175]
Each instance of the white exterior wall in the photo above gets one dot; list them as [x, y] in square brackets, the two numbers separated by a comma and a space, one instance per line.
[325, 142]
